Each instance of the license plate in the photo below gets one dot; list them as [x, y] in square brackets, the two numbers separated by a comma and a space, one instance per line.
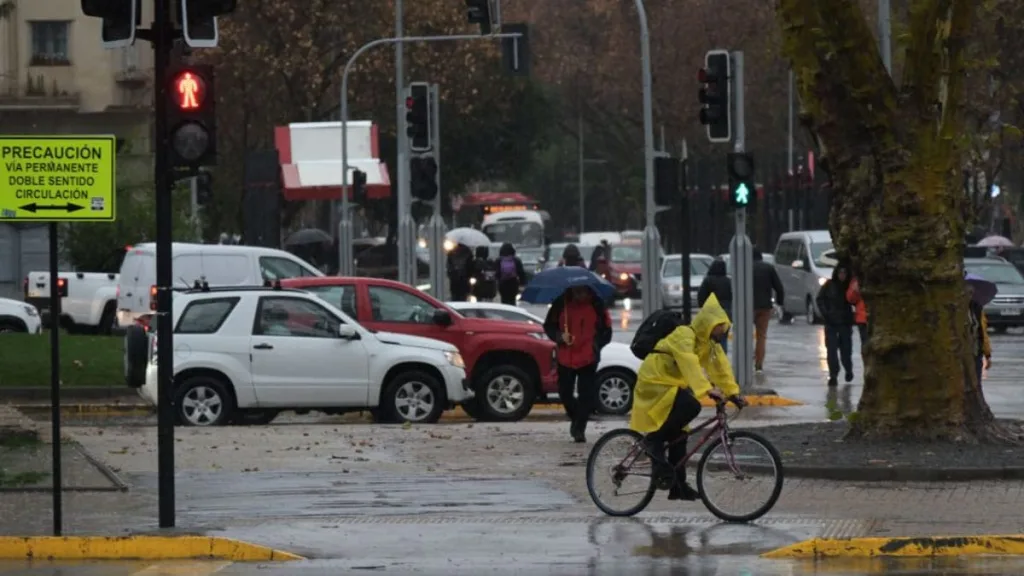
[33, 293]
[1010, 312]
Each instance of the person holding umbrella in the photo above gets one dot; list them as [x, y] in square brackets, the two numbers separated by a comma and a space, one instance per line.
[980, 292]
[580, 325]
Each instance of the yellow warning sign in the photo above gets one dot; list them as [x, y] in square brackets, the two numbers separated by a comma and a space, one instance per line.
[63, 178]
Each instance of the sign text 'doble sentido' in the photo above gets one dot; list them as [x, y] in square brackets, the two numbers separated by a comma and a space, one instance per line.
[47, 178]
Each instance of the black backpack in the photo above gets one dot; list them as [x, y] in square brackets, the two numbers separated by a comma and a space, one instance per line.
[655, 327]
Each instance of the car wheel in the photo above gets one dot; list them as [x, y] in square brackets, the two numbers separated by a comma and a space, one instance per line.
[256, 417]
[10, 328]
[505, 393]
[413, 396]
[615, 391]
[203, 401]
[108, 321]
[811, 314]
[136, 355]
[472, 408]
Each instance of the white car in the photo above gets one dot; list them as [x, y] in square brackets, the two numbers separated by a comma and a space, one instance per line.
[616, 373]
[90, 305]
[246, 354]
[18, 316]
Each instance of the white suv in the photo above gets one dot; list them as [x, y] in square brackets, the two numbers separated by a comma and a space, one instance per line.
[18, 316]
[245, 354]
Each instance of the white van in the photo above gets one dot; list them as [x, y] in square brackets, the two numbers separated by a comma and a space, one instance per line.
[803, 267]
[216, 264]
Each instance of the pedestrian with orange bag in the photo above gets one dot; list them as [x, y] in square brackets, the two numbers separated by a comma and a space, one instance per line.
[860, 310]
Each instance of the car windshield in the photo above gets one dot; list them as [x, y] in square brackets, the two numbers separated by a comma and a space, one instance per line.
[818, 250]
[627, 253]
[674, 267]
[997, 273]
[519, 234]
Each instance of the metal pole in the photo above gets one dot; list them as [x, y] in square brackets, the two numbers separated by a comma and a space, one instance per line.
[405, 238]
[579, 132]
[685, 244]
[345, 264]
[437, 226]
[789, 146]
[885, 33]
[652, 241]
[162, 44]
[58, 484]
[741, 255]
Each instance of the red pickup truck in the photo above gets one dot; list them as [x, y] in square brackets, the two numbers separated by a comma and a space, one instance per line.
[511, 364]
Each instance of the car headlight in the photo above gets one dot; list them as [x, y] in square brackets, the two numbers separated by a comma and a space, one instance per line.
[422, 243]
[821, 281]
[455, 359]
[31, 311]
[472, 281]
[448, 245]
[623, 276]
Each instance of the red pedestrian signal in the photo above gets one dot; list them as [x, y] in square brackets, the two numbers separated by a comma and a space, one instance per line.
[189, 91]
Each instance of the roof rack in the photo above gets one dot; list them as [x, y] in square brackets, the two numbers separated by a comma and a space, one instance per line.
[275, 287]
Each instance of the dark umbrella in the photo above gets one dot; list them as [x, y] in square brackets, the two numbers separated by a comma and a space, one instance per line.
[984, 291]
[548, 285]
[308, 236]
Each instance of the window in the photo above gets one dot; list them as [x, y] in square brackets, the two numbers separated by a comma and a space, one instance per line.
[274, 268]
[50, 43]
[342, 297]
[205, 316]
[394, 305]
[627, 253]
[507, 315]
[996, 273]
[787, 252]
[818, 249]
[295, 317]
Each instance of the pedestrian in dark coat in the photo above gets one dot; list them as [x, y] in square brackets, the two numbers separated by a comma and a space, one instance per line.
[838, 315]
[717, 282]
[511, 274]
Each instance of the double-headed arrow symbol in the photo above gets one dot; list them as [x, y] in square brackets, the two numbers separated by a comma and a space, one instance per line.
[69, 207]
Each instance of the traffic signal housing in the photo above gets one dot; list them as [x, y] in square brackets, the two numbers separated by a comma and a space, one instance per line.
[359, 186]
[742, 189]
[417, 117]
[423, 173]
[198, 19]
[62, 287]
[479, 12]
[716, 95]
[120, 17]
[666, 180]
[192, 122]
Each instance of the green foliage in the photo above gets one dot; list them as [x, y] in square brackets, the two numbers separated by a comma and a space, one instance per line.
[99, 246]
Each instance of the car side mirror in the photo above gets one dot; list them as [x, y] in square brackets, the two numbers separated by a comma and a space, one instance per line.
[442, 318]
[346, 332]
[798, 263]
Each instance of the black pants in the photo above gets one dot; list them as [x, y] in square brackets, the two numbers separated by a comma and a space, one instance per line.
[578, 408]
[684, 409]
[839, 344]
[508, 290]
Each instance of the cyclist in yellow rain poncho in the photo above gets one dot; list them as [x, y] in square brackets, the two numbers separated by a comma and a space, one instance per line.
[671, 382]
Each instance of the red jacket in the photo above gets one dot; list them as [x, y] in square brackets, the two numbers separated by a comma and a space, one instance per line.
[590, 325]
[860, 315]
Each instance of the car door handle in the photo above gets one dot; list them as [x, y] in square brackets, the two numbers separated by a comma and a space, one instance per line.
[263, 347]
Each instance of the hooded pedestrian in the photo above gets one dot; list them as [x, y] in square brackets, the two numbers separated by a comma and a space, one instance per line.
[860, 310]
[838, 315]
[511, 274]
[460, 270]
[571, 257]
[485, 275]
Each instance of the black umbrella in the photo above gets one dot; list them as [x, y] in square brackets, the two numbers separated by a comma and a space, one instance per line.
[308, 236]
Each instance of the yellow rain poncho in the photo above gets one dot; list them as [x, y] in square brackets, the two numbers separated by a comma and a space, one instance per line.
[680, 361]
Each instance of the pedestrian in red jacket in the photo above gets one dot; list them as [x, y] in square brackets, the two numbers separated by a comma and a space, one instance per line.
[860, 312]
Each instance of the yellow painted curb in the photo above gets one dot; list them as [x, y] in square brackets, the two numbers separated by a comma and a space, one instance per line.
[136, 548]
[927, 546]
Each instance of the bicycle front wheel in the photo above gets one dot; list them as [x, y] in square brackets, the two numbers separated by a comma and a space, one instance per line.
[741, 480]
[620, 476]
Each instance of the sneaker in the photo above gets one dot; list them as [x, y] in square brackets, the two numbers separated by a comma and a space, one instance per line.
[759, 369]
[683, 491]
[832, 381]
[849, 376]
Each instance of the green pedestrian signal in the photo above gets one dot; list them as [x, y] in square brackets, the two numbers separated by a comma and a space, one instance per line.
[742, 191]
[741, 195]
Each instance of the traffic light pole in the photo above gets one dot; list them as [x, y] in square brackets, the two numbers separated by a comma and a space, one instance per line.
[406, 236]
[436, 226]
[162, 43]
[652, 240]
[740, 253]
[345, 261]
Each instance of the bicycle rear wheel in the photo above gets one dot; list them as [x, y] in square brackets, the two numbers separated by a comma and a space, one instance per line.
[619, 466]
[740, 482]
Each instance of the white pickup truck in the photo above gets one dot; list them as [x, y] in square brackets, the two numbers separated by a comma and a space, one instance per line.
[89, 307]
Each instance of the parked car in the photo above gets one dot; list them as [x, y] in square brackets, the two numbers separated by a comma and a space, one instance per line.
[672, 278]
[625, 268]
[90, 305]
[1006, 310]
[509, 365]
[803, 267]
[216, 264]
[18, 316]
[246, 354]
[616, 373]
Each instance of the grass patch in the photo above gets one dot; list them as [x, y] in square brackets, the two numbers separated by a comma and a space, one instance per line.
[15, 438]
[96, 361]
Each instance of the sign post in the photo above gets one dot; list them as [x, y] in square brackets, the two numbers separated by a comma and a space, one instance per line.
[437, 230]
[741, 251]
[57, 179]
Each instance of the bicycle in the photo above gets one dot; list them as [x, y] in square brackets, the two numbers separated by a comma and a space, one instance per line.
[721, 439]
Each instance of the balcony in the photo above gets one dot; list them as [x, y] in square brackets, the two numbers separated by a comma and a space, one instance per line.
[41, 88]
[130, 72]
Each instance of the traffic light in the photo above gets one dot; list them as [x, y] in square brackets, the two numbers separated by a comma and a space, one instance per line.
[417, 117]
[666, 180]
[742, 189]
[423, 172]
[62, 287]
[198, 19]
[359, 186]
[204, 188]
[716, 95]
[192, 122]
[479, 12]
[119, 20]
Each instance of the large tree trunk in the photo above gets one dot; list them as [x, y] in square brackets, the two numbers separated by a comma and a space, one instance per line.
[893, 157]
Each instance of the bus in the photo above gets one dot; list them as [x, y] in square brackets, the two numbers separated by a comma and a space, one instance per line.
[470, 209]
